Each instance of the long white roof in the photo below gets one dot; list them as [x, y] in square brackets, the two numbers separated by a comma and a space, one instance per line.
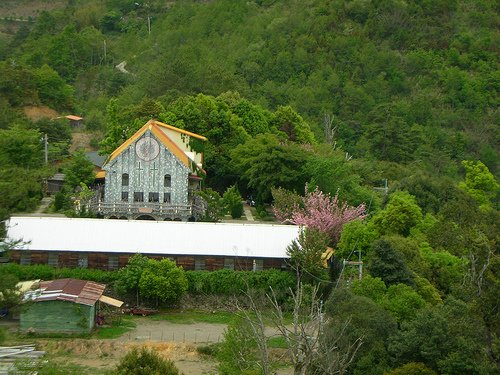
[151, 237]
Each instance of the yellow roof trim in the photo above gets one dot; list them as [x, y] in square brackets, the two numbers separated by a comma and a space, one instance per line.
[151, 124]
[129, 141]
[167, 142]
[180, 130]
[100, 174]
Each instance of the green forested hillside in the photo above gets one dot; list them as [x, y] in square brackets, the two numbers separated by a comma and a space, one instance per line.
[343, 95]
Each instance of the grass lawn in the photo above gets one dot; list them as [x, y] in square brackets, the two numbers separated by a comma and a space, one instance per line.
[116, 329]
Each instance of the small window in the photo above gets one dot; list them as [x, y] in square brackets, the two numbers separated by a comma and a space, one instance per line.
[25, 257]
[53, 259]
[154, 197]
[166, 198]
[125, 179]
[229, 263]
[83, 260]
[113, 262]
[167, 181]
[199, 264]
[124, 196]
[138, 196]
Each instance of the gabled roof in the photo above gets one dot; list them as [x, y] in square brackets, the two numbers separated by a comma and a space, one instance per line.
[73, 290]
[155, 127]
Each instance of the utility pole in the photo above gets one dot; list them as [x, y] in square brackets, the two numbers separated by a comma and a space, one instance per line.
[149, 25]
[46, 144]
[359, 263]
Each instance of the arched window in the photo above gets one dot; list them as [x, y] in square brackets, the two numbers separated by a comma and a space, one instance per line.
[125, 179]
[167, 181]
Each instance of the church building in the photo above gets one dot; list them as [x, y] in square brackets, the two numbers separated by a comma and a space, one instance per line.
[153, 175]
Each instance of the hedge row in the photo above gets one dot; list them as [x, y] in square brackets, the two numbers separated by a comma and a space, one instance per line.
[226, 282]
[46, 272]
[230, 282]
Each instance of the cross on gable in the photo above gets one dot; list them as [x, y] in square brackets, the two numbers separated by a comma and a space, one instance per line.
[139, 170]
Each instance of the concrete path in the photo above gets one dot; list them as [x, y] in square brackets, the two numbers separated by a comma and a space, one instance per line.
[248, 212]
[46, 201]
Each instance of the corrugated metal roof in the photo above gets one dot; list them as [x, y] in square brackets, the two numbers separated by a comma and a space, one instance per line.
[152, 237]
[72, 290]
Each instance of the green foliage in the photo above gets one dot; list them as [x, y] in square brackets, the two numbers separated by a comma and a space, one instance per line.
[447, 338]
[305, 255]
[232, 200]
[78, 170]
[479, 183]
[285, 203]
[387, 263]
[446, 269]
[412, 368]
[46, 272]
[227, 282]
[9, 294]
[129, 276]
[237, 353]
[286, 120]
[265, 162]
[371, 287]
[399, 216]
[356, 236]
[145, 361]
[215, 206]
[368, 320]
[403, 302]
[52, 89]
[163, 280]
[20, 147]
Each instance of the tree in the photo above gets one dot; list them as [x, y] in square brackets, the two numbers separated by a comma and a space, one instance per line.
[448, 338]
[9, 292]
[368, 320]
[479, 183]
[232, 201]
[286, 120]
[129, 276]
[387, 263]
[403, 302]
[163, 281]
[400, 215]
[265, 162]
[214, 205]
[326, 214]
[305, 255]
[21, 147]
[145, 361]
[285, 202]
[78, 170]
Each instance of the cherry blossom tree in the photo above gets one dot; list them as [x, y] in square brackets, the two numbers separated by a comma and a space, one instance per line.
[324, 213]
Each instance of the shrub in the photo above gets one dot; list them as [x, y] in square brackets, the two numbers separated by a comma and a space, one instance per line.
[230, 282]
[145, 362]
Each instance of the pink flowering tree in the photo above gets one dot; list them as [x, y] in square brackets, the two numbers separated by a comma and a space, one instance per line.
[324, 213]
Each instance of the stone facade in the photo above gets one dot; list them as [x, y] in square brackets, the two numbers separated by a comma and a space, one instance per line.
[152, 176]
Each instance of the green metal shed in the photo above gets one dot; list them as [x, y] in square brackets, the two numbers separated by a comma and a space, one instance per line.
[65, 305]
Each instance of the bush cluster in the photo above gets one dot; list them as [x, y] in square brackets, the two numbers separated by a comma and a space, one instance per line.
[228, 282]
[46, 272]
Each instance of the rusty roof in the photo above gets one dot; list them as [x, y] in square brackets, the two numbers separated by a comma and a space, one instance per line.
[73, 290]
